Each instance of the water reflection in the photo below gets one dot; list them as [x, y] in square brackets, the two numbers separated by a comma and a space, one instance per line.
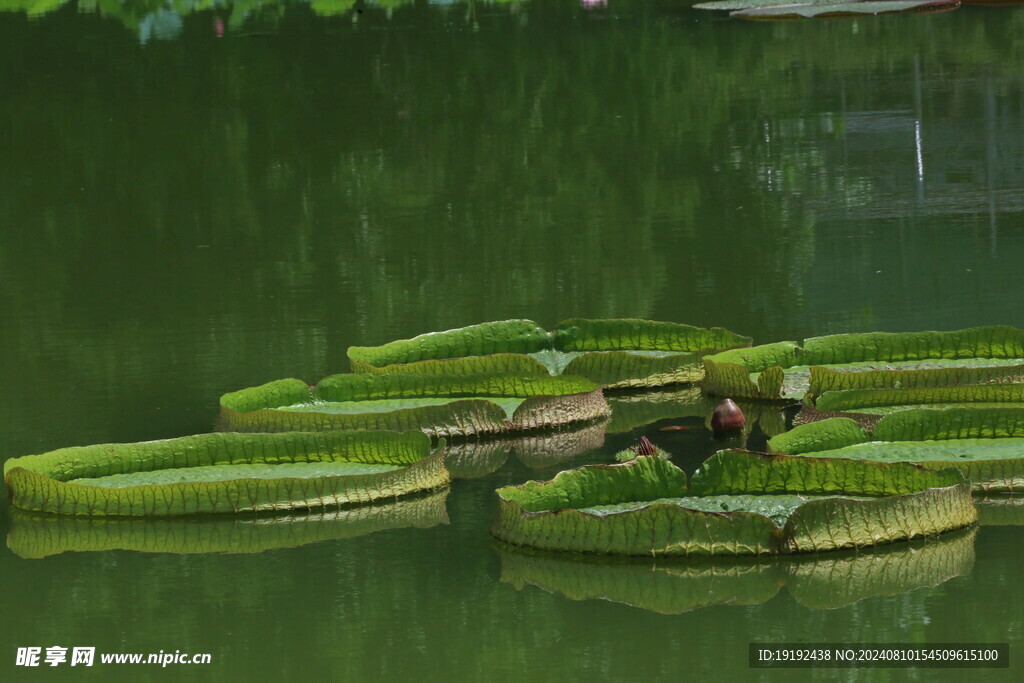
[1006, 510]
[37, 535]
[823, 581]
[477, 458]
[165, 19]
[631, 410]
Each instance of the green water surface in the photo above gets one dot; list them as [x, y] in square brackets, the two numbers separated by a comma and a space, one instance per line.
[196, 198]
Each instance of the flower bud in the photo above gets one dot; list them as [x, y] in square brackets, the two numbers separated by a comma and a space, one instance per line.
[728, 418]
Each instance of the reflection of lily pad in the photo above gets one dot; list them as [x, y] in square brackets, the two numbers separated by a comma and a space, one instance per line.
[643, 507]
[65, 481]
[470, 459]
[633, 410]
[667, 589]
[877, 360]
[35, 534]
[986, 444]
[439, 406]
[549, 448]
[1000, 510]
[815, 581]
[613, 353]
[833, 581]
[630, 411]
[844, 9]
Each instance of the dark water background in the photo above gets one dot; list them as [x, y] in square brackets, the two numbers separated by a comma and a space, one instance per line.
[184, 213]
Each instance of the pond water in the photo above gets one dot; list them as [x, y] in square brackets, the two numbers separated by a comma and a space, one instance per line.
[197, 199]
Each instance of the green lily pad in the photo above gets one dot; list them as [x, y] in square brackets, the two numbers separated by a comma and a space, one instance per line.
[877, 360]
[508, 405]
[613, 353]
[827, 581]
[884, 401]
[843, 9]
[849, 504]
[986, 444]
[153, 478]
[300, 470]
[776, 508]
[37, 534]
[732, 5]
[441, 406]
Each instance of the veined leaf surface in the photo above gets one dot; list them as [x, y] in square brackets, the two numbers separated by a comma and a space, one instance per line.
[441, 405]
[982, 355]
[640, 507]
[64, 481]
[613, 352]
[986, 444]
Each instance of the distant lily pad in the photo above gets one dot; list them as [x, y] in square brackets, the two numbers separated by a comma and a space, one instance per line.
[615, 353]
[842, 9]
[732, 5]
[985, 443]
[876, 360]
[443, 406]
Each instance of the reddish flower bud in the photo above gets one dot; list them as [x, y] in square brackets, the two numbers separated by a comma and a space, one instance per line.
[728, 418]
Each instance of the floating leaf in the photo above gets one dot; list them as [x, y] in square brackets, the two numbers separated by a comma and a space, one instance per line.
[748, 4]
[842, 9]
[655, 517]
[613, 353]
[981, 355]
[888, 400]
[57, 481]
[437, 405]
[986, 444]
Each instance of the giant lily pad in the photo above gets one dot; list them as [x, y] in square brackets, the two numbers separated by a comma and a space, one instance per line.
[986, 444]
[739, 503]
[236, 472]
[843, 9]
[437, 405]
[817, 581]
[613, 353]
[876, 360]
[884, 401]
[38, 534]
[732, 5]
